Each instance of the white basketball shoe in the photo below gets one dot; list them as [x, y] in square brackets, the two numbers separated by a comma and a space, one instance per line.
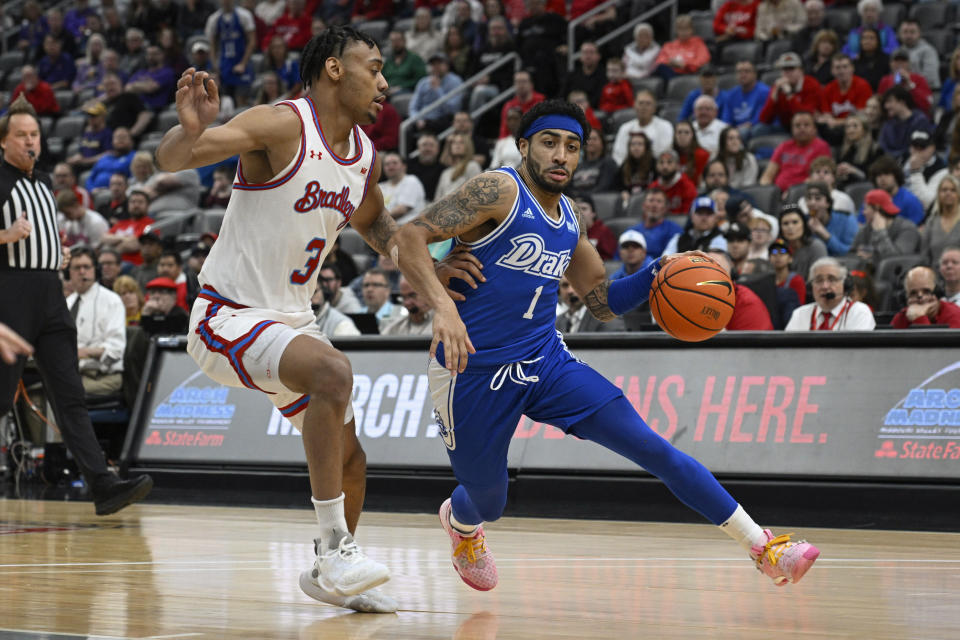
[345, 570]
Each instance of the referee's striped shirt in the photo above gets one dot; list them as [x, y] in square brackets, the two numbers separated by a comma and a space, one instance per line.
[19, 194]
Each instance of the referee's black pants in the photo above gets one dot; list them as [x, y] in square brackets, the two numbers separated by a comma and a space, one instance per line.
[32, 304]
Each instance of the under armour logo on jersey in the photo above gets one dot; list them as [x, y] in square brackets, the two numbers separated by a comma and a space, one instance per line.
[363, 171]
[528, 214]
[316, 154]
[314, 197]
[529, 255]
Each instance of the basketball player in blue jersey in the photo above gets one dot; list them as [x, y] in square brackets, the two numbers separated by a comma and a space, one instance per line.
[306, 170]
[496, 355]
[232, 32]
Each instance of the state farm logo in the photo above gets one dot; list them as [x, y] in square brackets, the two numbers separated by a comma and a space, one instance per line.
[886, 450]
[184, 439]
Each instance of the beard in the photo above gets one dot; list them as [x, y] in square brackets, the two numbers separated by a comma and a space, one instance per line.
[533, 170]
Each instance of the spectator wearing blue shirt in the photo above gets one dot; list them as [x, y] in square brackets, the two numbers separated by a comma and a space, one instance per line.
[56, 68]
[278, 61]
[887, 174]
[438, 82]
[836, 229]
[656, 229]
[708, 86]
[632, 247]
[97, 138]
[902, 120]
[75, 19]
[117, 160]
[740, 106]
[154, 84]
[869, 11]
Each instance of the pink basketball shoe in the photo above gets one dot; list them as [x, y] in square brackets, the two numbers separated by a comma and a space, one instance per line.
[782, 560]
[471, 558]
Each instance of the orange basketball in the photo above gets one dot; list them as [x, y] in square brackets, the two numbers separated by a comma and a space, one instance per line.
[692, 298]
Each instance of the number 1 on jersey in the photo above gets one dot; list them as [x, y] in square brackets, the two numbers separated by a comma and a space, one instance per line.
[533, 303]
[315, 248]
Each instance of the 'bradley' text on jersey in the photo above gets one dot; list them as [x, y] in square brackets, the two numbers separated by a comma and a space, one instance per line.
[314, 197]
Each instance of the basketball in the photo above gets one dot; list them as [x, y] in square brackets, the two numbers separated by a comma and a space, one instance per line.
[692, 298]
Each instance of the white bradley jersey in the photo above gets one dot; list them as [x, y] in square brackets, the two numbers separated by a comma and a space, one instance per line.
[275, 235]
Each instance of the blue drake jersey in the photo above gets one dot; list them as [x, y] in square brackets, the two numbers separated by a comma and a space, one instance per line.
[512, 315]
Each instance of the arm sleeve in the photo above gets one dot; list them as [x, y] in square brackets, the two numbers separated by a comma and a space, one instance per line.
[626, 293]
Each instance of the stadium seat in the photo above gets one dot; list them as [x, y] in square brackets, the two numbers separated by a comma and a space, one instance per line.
[767, 197]
[702, 25]
[352, 242]
[893, 13]
[363, 261]
[858, 191]
[607, 204]
[769, 141]
[401, 102]
[619, 225]
[46, 125]
[775, 49]
[619, 118]
[634, 208]
[403, 24]
[941, 39]
[376, 29]
[796, 192]
[10, 60]
[680, 86]
[55, 146]
[769, 77]
[166, 120]
[727, 81]
[841, 19]
[208, 220]
[69, 127]
[891, 269]
[101, 198]
[932, 15]
[173, 224]
[65, 98]
[671, 112]
[611, 266]
[654, 84]
[736, 51]
[679, 219]
[12, 80]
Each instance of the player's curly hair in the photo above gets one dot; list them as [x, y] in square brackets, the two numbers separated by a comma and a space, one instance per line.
[329, 44]
[553, 107]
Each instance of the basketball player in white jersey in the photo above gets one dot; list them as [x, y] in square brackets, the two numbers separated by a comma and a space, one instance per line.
[306, 170]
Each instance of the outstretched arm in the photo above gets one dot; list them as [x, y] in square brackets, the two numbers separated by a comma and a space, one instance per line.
[483, 199]
[607, 299]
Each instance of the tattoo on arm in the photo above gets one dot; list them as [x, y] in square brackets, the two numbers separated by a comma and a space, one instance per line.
[576, 211]
[450, 214]
[596, 301]
[380, 233]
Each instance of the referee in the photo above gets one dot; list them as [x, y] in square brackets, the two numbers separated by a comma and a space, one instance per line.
[32, 304]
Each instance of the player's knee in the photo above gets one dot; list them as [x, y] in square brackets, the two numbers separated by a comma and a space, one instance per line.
[491, 504]
[333, 379]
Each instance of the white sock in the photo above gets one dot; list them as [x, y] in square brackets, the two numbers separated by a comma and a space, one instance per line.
[333, 524]
[741, 527]
[466, 530]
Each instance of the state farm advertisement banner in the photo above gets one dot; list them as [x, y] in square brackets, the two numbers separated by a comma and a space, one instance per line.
[784, 411]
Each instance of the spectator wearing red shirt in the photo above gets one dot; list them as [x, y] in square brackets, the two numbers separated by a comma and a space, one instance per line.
[125, 235]
[736, 20]
[364, 10]
[37, 92]
[749, 312]
[385, 132]
[900, 74]
[677, 186]
[294, 26]
[792, 92]
[684, 55]
[618, 92]
[524, 98]
[845, 95]
[781, 257]
[791, 160]
[599, 234]
[579, 98]
[925, 305]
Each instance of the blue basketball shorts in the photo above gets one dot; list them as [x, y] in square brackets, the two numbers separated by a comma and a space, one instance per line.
[478, 410]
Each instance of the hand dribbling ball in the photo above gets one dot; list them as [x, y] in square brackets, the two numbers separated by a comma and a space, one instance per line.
[692, 298]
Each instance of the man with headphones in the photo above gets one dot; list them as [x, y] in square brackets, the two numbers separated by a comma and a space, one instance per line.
[831, 309]
[924, 304]
[101, 326]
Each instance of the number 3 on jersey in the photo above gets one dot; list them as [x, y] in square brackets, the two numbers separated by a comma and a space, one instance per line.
[315, 249]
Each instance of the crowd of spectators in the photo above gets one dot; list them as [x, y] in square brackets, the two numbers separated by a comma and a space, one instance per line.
[792, 137]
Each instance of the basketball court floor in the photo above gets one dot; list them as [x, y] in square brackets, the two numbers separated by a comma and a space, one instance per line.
[164, 571]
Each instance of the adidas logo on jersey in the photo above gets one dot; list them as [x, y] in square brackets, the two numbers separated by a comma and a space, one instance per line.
[528, 214]
[529, 255]
[571, 227]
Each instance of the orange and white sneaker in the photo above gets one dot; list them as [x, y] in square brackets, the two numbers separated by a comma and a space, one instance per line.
[784, 561]
[471, 558]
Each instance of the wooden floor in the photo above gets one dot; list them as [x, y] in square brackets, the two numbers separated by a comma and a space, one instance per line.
[192, 572]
